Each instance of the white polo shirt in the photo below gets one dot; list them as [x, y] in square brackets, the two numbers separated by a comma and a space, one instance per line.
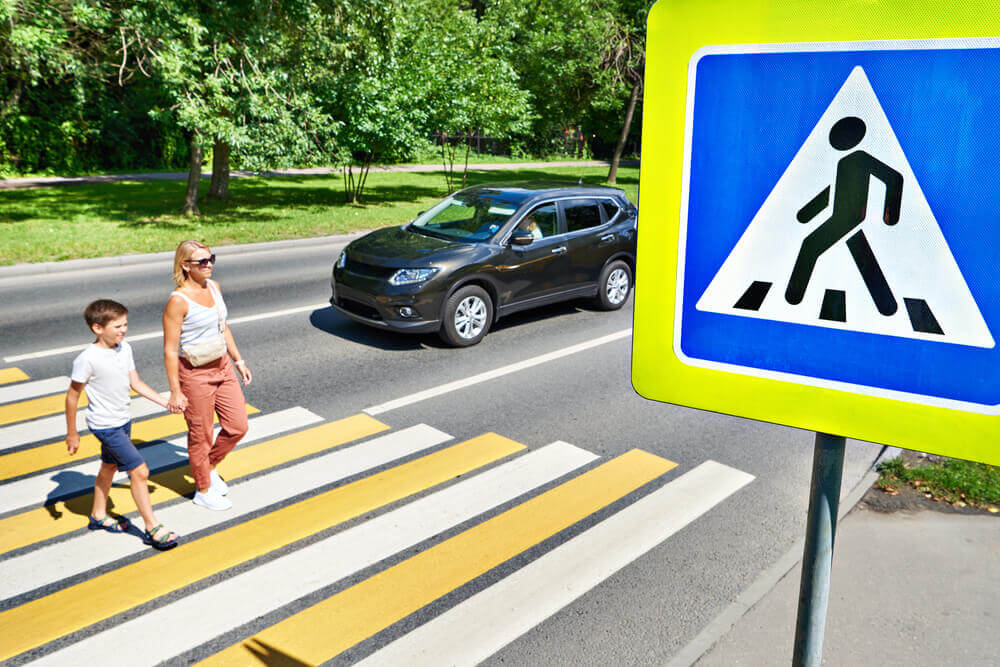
[105, 371]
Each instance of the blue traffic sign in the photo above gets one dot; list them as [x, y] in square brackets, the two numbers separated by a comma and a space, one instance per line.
[840, 218]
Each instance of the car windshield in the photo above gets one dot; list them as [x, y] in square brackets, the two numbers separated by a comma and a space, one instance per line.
[468, 217]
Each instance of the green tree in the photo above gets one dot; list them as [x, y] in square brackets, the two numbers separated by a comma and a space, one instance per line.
[556, 50]
[229, 69]
[68, 100]
[47, 53]
[371, 84]
[474, 86]
[625, 60]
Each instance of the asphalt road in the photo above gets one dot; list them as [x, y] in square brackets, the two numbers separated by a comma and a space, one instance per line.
[315, 358]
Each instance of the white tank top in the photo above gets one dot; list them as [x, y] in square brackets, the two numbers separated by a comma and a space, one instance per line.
[202, 323]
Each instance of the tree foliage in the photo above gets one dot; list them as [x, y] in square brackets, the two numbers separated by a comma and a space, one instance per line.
[110, 84]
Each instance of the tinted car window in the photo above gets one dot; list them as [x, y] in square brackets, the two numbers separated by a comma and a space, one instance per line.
[610, 209]
[581, 214]
[467, 217]
[541, 222]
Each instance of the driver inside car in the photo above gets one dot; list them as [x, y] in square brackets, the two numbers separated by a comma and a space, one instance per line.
[530, 225]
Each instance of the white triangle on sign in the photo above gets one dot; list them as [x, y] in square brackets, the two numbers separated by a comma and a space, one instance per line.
[933, 299]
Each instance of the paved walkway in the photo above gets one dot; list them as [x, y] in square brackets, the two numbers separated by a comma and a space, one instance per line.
[907, 588]
[51, 181]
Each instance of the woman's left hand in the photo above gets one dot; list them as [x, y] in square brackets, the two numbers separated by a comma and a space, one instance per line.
[244, 371]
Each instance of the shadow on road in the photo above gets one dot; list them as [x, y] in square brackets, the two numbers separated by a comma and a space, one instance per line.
[332, 322]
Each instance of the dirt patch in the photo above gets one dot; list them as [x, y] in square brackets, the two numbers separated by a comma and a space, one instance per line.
[908, 499]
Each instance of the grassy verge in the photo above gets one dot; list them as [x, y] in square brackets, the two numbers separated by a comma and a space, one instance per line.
[952, 480]
[106, 219]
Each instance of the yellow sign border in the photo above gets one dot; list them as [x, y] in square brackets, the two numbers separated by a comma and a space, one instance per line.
[675, 32]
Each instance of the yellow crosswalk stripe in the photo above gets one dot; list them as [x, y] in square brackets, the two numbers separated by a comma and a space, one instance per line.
[45, 619]
[21, 530]
[39, 407]
[12, 375]
[324, 630]
[36, 407]
[49, 456]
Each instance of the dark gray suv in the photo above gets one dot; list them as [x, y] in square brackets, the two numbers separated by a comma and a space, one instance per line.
[488, 251]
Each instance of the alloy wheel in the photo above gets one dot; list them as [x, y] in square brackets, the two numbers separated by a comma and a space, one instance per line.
[470, 317]
[617, 286]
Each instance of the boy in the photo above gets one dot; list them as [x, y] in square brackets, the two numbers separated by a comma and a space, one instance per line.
[107, 369]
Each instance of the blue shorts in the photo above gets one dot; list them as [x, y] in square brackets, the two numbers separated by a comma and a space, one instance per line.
[117, 447]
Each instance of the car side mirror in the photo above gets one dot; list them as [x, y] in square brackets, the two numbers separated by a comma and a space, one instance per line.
[521, 237]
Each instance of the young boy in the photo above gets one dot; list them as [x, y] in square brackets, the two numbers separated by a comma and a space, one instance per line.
[107, 369]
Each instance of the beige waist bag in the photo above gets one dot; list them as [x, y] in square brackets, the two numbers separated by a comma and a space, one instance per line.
[203, 353]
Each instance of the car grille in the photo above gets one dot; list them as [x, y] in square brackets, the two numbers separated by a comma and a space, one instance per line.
[370, 270]
[358, 308]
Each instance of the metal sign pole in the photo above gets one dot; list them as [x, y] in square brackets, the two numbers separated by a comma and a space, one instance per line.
[817, 557]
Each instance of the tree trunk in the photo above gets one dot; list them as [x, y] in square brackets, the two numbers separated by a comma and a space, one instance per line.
[468, 145]
[350, 192]
[363, 178]
[219, 187]
[194, 179]
[627, 125]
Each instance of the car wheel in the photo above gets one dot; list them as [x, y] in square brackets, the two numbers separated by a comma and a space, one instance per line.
[468, 314]
[614, 285]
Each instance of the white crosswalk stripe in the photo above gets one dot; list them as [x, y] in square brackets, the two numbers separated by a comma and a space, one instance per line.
[49, 428]
[92, 550]
[33, 491]
[236, 601]
[26, 390]
[498, 615]
[43, 575]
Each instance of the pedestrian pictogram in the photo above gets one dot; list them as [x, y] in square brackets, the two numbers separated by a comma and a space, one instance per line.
[846, 239]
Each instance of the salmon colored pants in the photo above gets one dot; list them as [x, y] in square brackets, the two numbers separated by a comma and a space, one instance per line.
[211, 389]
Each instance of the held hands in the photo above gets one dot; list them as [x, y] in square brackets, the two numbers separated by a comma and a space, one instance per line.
[177, 403]
[72, 443]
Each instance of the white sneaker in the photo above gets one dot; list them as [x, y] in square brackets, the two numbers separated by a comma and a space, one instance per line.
[218, 484]
[212, 500]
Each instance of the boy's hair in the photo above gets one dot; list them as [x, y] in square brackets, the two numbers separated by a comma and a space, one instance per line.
[182, 254]
[102, 311]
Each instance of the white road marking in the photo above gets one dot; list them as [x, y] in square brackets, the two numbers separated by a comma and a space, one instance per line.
[498, 372]
[498, 615]
[26, 390]
[47, 428]
[168, 631]
[159, 334]
[91, 550]
[33, 491]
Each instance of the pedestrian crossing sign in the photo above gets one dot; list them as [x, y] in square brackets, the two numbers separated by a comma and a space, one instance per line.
[819, 221]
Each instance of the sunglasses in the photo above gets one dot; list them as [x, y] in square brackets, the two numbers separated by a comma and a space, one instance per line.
[203, 263]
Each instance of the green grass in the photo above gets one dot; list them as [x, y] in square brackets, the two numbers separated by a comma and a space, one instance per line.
[108, 219]
[953, 481]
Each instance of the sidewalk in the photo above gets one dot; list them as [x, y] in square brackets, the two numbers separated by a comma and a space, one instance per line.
[907, 588]
[52, 181]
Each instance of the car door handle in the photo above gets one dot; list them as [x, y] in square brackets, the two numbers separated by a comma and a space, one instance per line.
[558, 251]
[608, 237]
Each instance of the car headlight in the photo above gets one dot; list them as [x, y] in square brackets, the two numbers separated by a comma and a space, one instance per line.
[341, 260]
[410, 276]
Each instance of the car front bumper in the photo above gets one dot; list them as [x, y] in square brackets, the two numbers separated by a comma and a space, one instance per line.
[382, 310]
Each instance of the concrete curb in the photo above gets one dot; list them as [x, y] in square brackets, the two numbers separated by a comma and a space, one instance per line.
[47, 268]
[765, 583]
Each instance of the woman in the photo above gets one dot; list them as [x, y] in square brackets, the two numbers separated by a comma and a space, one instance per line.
[199, 353]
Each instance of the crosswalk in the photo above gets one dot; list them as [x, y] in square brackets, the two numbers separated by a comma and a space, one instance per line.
[339, 530]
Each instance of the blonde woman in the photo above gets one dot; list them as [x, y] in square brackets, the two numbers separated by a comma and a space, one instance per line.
[199, 354]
